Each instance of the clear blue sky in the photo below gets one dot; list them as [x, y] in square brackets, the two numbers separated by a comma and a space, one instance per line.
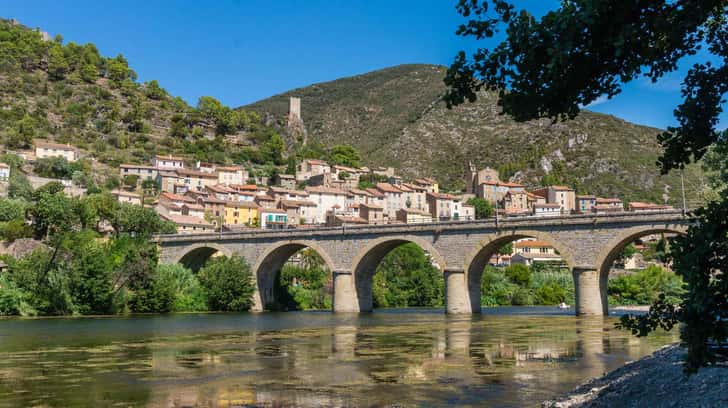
[240, 51]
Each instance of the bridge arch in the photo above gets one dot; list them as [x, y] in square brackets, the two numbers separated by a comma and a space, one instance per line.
[271, 261]
[612, 250]
[367, 259]
[195, 256]
[476, 261]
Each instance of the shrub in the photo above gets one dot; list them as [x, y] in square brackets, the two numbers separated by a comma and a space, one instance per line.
[228, 283]
[13, 301]
[188, 294]
[496, 288]
[645, 287]
[522, 297]
[550, 294]
[519, 274]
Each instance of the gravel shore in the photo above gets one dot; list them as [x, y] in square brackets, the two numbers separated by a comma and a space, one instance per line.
[656, 380]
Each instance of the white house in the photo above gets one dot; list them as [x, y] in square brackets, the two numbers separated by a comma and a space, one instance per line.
[168, 162]
[4, 172]
[547, 210]
[325, 199]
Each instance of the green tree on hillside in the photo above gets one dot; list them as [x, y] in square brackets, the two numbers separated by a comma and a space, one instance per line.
[483, 207]
[584, 50]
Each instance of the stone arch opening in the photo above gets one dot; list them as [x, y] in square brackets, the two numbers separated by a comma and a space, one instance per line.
[488, 248]
[614, 251]
[196, 257]
[269, 267]
[368, 260]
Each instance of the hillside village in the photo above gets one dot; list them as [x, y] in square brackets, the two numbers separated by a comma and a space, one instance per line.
[202, 197]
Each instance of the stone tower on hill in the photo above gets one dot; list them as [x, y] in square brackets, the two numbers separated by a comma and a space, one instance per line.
[296, 128]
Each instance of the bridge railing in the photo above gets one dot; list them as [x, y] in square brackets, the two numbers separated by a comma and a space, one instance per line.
[486, 222]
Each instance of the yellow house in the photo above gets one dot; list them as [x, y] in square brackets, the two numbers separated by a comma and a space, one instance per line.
[241, 213]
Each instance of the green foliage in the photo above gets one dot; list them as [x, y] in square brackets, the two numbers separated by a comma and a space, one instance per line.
[645, 287]
[405, 278]
[13, 301]
[303, 286]
[495, 288]
[228, 283]
[11, 209]
[344, 155]
[19, 187]
[188, 293]
[483, 207]
[519, 274]
[15, 229]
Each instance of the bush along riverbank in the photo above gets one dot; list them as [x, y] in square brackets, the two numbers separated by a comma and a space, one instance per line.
[657, 380]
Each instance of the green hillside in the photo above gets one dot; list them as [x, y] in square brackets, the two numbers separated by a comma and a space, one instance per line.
[71, 94]
[394, 117]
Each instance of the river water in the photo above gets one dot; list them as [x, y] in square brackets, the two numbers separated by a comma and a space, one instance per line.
[416, 357]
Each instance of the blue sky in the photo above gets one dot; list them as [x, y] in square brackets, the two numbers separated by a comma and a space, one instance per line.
[240, 51]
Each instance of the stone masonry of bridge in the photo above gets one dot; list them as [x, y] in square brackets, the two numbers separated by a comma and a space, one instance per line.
[461, 250]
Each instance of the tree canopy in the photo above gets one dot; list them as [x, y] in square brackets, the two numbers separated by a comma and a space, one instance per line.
[587, 49]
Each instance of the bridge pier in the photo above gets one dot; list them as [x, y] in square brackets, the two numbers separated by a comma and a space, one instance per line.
[588, 296]
[457, 293]
[345, 295]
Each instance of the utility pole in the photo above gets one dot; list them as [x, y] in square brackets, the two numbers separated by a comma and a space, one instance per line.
[682, 185]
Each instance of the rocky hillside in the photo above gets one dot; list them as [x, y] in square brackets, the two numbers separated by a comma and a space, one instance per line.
[394, 117]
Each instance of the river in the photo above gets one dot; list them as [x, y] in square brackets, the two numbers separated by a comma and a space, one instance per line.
[415, 357]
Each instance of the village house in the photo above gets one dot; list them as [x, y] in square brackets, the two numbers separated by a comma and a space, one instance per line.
[383, 171]
[222, 192]
[528, 251]
[168, 162]
[429, 184]
[462, 211]
[393, 199]
[299, 212]
[205, 167]
[516, 203]
[189, 225]
[640, 206]
[214, 207]
[280, 193]
[285, 181]
[415, 197]
[196, 180]
[170, 182]
[345, 172]
[412, 216]
[329, 180]
[141, 171]
[562, 195]
[474, 180]
[357, 196]
[273, 218]
[585, 203]
[547, 210]
[337, 217]
[4, 172]
[166, 198]
[265, 201]
[371, 213]
[376, 197]
[241, 213]
[325, 199]
[232, 175]
[440, 205]
[311, 167]
[127, 197]
[45, 150]
[608, 205]
[495, 191]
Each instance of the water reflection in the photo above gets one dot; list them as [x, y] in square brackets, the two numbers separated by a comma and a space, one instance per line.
[421, 358]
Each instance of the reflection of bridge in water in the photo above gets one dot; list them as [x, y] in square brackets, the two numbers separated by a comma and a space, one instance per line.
[589, 244]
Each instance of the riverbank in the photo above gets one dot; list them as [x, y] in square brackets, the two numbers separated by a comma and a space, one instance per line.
[656, 380]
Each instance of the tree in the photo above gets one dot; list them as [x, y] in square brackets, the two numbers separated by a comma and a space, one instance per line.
[154, 91]
[57, 64]
[483, 207]
[228, 284]
[344, 155]
[273, 149]
[587, 49]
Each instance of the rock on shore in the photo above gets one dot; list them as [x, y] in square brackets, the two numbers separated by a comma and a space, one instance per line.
[653, 381]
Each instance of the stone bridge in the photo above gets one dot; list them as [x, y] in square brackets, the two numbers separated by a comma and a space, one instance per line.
[588, 244]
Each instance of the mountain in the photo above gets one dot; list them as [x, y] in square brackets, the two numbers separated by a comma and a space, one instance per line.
[395, 117]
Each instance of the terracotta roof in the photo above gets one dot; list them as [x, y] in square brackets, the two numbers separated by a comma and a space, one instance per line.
[375, 193]
[585, 197]
[325, 190]
[637, 205]
[352, 220]
[186, 220]
[534, 196]
[441, 196]
[241, 204]
[249, 187]
[282, 190]
[193, 206]
[608, 200]
[200, 174]
[44, 144]
[359, 192]
[168, 157]
[219, 188]
[212, 200]
[388, 188]
[415, 187]
[371, 206]
[532, 244]
[176, 197]
[562, 188]
[264, 197]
